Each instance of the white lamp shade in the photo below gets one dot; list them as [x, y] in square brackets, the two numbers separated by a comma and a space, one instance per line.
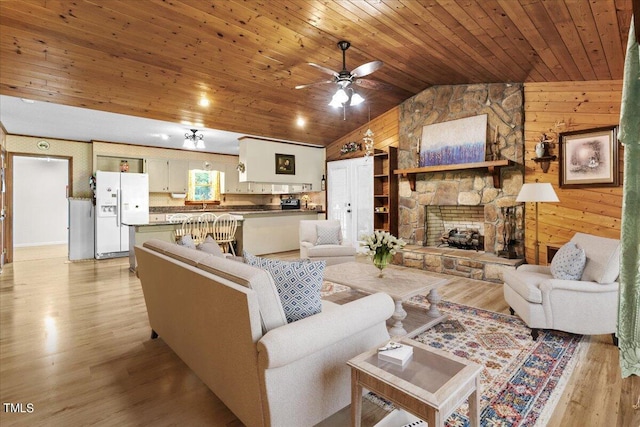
[537, 192]
[356, 99]
[339, 98]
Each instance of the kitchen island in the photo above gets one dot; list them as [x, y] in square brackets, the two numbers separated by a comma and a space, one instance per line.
[259, 231]
[140, 233]
[266, 232]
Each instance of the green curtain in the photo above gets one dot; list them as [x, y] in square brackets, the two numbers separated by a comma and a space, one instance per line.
[629, 135]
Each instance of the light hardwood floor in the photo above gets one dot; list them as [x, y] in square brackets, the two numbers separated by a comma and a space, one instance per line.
[74, 343]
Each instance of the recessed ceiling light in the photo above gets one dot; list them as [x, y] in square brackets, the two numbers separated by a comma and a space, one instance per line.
[28, 101]
[204, 101]
[300, 122]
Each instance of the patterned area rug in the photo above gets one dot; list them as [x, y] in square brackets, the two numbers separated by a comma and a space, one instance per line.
[522, 379]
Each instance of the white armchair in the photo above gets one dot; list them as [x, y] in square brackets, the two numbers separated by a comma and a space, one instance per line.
[587, 306]
[322, 240]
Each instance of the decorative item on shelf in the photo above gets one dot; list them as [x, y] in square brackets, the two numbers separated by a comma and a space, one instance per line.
[495, 145]
[542, 152]
[241, 167]
[382, 245]
[305, 198]
[323, 184]
[350, 147]
[124, 166]
[368, 139]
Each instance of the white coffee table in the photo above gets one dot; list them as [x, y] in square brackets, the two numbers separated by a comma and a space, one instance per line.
[431, 386]
[400, 283]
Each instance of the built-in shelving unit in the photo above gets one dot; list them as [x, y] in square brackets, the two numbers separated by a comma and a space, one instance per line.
[492, 166]
[385, 190]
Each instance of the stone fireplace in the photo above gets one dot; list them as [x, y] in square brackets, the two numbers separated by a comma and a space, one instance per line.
[465, 190]
[473, 192]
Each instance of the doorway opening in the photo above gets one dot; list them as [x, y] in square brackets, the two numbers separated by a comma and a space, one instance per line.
[38, 190]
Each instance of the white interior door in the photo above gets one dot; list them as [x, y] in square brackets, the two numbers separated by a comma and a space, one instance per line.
[350, 196]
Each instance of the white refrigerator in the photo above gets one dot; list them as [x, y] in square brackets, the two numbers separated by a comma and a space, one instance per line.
[122, 199]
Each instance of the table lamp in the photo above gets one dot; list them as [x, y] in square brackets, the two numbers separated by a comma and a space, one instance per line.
[537, 192]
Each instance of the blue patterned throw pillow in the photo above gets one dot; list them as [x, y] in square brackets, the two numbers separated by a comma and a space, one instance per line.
[298, 284]
[568, 263]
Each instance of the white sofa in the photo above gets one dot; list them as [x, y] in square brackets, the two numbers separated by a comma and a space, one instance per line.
[223, 318]
[587, 306]
[336, 253]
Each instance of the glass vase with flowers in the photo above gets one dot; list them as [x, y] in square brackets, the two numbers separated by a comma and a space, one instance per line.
[382, 246]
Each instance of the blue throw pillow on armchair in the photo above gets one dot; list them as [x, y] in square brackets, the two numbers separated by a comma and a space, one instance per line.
[298, 284]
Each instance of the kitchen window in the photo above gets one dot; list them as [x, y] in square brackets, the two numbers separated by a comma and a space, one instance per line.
[204, 186]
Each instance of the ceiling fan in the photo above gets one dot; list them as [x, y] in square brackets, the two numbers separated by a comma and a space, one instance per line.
[345, 78]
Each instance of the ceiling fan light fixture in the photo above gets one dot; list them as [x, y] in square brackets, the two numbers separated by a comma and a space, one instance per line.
[339, 98]
[356, 99]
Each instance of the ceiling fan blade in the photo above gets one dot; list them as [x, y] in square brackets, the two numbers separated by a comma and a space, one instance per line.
[366, 69]
[324, 69]
[313, 84]
[373, 84]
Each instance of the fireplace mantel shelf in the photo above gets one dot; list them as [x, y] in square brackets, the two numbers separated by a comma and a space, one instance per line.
[493, 166]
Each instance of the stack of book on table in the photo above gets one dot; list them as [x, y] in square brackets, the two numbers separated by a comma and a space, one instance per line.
[395, 353]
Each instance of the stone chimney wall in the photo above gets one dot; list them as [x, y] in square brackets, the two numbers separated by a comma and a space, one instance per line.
[504, 105]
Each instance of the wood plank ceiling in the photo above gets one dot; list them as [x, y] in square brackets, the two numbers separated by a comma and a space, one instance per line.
[155, 59]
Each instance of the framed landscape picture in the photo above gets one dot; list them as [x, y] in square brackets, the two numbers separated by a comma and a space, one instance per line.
[285, 164]
[589, 158]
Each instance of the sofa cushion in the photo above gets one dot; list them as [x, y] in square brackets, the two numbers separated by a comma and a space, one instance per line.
[298, 284]
[210, 246]
[271, 312]
[330, 251]
[568, 263]
[603, 257]
[187, 241]
[328, 234]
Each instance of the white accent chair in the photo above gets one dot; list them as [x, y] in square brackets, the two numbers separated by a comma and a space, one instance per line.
[588, 306]
[334, 253]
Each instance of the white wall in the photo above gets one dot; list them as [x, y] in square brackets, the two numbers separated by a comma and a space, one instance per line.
[40, 208]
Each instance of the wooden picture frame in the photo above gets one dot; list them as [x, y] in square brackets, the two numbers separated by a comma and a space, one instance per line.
[589, 158]
[285, 164]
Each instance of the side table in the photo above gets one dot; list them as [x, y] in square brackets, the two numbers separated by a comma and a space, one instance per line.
[431, 386]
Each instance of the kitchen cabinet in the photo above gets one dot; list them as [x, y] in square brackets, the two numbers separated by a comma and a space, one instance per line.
[259, 158]
[178, 176]
[167, 175]
[231, 183]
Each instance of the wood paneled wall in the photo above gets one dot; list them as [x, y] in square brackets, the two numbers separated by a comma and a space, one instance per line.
[579, 105]
[384, 127]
